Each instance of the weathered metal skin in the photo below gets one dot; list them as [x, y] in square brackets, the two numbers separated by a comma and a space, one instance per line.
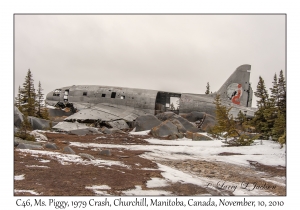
[107, 103]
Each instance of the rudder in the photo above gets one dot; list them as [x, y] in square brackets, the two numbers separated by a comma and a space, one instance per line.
[237, 88]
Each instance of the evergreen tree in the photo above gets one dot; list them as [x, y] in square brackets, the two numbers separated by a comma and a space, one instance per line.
[39, 101]
[279, 129]
[226, 126]
[207, 89]
[281, 93]
[18, 100]
[28, 95]
[261, 116]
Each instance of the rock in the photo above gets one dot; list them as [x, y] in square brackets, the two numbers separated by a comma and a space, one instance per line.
[18, 117]
[84, 131]
[179, 126]
[16, 143]
[180, 135]
[186, 124]
[38, 136]
[165, 129]
[195, 116]
[51, 146]
[111, 130]
[68, 150]
[86, 156]
[105, 152]
[19, 140]
[200, 137]
[146, 122]
[120, 124]
[172, 137]
[189, 135]
[16, 129]
[29, 146]
[165, 116]
[68, 126]
[208, 123]
[39, 124]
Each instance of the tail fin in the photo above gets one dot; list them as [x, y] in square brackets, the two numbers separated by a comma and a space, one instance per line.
[237, 88]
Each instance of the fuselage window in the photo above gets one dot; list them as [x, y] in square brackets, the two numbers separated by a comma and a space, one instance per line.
[56, 92]
[84, 93]
[113, 95]
[103, 95]
[122, 97]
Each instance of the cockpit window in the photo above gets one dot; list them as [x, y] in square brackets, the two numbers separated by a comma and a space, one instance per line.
[56, 92]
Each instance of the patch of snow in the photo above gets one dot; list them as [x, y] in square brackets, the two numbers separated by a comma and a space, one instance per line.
[36, 166]
[268, 154]
[275, 182]
[99, 187]
[50, 107]
[27, 191]
[38, 136]
[100, 137]
[44, 161]
[156, 182]
[138, 191]
[19, 177]
[67, 159]
[141, 133]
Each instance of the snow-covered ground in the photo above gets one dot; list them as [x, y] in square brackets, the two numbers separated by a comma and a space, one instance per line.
[269, 153]
[264, 152]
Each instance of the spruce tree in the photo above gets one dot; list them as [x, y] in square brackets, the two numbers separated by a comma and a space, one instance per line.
[279, 129]
[28, 95]
[261, 116]
[207, 89]
[39, 101]
[226, 126]
[18, 100]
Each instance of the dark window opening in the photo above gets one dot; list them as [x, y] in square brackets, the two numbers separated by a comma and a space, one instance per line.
[113, 95]
[84, 93]
[57, 92]
[103, 95]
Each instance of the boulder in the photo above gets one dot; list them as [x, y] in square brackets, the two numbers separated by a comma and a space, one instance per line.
[146, 122]
[68, 150]
[165, 129]
[39, 124]
[105, 152]
[18, 117]
[29, 146]
[84, 131]
[120, 124]
[86, 156]
[186, 124]
[179, 126]
[195, 116]
[189, 135]
[208, 123]
[172, 137]
[106, 130]
[51, 146]
[165, 116]
[38, 136]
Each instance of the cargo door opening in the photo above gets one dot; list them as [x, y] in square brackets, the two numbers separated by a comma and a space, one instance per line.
[167, 102]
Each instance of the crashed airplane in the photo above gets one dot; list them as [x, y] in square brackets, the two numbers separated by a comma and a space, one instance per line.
[91, 103]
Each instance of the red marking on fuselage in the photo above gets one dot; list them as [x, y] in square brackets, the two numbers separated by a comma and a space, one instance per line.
[236, 99]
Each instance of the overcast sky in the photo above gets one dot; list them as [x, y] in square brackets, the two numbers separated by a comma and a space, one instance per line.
[177, 53]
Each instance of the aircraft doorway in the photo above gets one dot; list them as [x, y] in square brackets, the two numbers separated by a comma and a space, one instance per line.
[166, 101]
[66, 94]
